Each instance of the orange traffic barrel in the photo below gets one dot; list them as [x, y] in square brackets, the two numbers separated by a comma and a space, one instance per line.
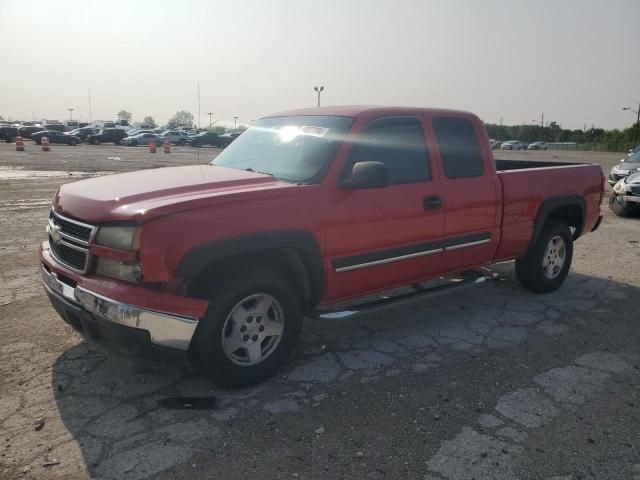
[152, 147]
[19, 144]
[167, 146]
[45, 144]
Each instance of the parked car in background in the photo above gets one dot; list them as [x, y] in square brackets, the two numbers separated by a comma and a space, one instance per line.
[207, 138]
[27, 130]
[136, 131]
[70, 125]
[537, 146]
[227, 138]
[8, 133]
[143, 139]
[83, 132]
[494, 143]
[512, 145]
[626, 167]
[115, 135]
[55, 136]
[625, 198]
[175, 136]
[59, 127]
[634, 150]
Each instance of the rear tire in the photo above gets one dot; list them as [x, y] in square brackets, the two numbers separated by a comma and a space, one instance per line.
[223, 343]
[544, 268]
[182, 142]
[134, 143]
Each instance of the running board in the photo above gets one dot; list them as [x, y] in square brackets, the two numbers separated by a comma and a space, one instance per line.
[467, 280]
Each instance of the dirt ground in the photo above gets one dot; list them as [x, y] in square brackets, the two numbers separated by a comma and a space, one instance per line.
[494, 383]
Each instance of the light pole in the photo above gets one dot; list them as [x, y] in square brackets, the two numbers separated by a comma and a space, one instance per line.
[70, 113]
[89, 92]
[210, 115]
[235, 123]
[318, 90]
[635, 128]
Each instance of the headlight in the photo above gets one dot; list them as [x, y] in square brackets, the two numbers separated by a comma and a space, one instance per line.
[121, 238]
[130, 272]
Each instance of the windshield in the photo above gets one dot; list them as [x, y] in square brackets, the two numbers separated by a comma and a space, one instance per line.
[635, 158]
[293, 149]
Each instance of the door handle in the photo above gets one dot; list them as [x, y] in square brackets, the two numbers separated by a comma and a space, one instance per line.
[431, 203]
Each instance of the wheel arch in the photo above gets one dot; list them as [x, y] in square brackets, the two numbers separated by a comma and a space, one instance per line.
[568, 208]
[295, 253]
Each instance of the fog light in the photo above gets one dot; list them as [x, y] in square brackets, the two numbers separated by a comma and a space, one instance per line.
[130, 272]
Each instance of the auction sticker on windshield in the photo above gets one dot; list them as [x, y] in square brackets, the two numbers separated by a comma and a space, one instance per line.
[314, 131]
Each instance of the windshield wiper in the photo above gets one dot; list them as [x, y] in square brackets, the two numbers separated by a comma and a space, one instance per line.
[257, 171]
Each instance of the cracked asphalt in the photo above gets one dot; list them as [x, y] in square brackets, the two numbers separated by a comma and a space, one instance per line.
[491, 383]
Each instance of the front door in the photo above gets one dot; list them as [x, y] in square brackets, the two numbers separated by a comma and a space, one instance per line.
[377, 238]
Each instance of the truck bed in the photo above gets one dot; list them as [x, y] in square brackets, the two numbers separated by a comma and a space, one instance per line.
[526, 185]
[504, 165]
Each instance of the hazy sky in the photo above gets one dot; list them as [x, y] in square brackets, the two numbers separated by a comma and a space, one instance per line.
[578, 61]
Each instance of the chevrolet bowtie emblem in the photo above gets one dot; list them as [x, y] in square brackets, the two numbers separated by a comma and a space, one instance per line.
[54, 232]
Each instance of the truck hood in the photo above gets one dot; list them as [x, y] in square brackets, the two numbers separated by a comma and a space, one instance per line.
[146, 194]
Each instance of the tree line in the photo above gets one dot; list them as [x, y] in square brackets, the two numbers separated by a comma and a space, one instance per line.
[587, 139]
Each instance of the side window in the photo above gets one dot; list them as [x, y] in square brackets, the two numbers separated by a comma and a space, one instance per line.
[398, 142]
[459, 147]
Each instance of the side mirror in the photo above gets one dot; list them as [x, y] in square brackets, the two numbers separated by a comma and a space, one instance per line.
[367, 175]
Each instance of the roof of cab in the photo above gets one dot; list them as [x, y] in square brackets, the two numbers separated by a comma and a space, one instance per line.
[357, 110]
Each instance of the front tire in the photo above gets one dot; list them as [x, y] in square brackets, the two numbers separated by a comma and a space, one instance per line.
[250, 330]
[182, 142]
[545, 267]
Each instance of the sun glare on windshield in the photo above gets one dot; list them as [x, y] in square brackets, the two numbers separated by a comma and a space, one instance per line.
[288, 133]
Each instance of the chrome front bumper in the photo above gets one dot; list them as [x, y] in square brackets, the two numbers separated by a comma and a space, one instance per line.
[164, 329]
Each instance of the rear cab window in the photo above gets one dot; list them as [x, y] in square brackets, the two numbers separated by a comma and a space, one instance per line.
[459, 147]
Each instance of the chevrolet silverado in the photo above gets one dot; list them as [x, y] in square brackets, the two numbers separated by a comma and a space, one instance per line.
[218, 264]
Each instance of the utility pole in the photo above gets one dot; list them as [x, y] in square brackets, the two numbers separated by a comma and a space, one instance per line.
[210, 115]
[318, 90]
[635, 127]
[70, 113]
[235, 123]
[542, 120]
[198, 105]
[89, 92]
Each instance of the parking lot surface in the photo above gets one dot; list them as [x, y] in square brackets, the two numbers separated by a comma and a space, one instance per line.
[493, 383]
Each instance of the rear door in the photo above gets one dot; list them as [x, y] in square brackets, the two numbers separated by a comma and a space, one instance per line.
[378, 238]
[472, 195]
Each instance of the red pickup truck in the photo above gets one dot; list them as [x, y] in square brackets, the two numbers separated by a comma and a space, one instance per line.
[218, 264]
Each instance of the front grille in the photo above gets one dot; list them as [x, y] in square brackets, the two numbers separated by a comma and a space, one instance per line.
[68, 256]
[69, 240]
[83, 233]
